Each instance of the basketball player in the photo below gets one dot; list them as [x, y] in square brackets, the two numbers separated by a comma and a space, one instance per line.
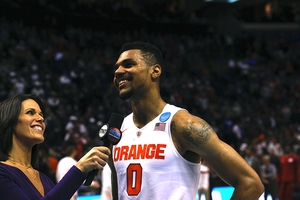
[159, 154]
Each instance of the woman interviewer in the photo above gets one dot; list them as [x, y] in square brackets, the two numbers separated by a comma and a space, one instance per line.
[22, 129]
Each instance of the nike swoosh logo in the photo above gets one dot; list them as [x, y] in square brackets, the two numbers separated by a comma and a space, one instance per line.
[125, 130]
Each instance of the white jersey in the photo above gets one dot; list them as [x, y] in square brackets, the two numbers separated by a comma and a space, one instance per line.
[148, 165]
[63, 167]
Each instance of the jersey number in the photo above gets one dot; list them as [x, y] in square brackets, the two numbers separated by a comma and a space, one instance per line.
[134, 179]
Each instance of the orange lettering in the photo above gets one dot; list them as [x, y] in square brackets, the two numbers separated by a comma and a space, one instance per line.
[141, 151]
[132, 153]
[124, 152]
[135, 152]
[159, 151]
[150, 153]
[116, 154]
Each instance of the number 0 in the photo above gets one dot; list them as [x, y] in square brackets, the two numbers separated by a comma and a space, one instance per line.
[134, 179]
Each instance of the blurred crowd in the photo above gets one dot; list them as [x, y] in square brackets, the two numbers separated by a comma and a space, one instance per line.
[246, 87]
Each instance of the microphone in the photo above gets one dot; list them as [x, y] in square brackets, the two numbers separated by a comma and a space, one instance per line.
[109, 134]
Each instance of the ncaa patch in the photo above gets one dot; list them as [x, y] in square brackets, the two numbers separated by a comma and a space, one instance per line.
[165, 116]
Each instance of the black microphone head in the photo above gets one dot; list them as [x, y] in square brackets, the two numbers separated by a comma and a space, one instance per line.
[115, 121]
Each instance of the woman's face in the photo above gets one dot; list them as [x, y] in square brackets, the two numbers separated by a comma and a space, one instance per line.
[30, 126]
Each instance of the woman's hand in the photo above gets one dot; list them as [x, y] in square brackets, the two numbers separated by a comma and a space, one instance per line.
[96, 158]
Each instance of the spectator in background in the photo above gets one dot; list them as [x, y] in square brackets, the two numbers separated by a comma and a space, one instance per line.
[237, 129]
[13, 91]
[65, 164]
[37, 89]
[44, 165]
[53, 100]
[72, 123]
[203, 187]
[274, 159]
[21, 84]
[269, 173]
[288, 174]
[64, 79]
[72, 128]
[106, 190]
[253, 160]
[53, 162]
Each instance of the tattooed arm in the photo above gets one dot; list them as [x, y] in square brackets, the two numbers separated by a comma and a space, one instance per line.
[195, 139]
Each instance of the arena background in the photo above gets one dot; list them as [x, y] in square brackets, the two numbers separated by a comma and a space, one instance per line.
[234, 64]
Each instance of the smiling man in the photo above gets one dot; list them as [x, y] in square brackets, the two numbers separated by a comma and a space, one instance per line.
[162, 145]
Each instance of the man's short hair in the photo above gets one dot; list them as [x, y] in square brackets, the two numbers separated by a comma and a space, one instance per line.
[150, 53]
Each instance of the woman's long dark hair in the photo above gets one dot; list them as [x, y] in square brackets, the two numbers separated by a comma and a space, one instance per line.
[9, 114]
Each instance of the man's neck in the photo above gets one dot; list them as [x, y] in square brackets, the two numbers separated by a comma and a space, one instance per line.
[145, 111]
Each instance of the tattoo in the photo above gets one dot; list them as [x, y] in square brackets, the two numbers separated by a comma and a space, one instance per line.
[197, 133]
[173, 127]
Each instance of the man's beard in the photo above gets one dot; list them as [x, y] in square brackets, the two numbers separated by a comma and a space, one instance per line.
[133, 94]
[127, 95]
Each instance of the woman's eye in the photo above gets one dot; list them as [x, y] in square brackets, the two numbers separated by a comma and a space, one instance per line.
[30, 112]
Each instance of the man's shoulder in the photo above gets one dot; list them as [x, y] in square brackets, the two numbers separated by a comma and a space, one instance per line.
[183, 115]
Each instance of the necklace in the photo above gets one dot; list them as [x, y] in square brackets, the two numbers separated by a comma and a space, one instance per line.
[16, 162]
[24, 166]
[26, 171]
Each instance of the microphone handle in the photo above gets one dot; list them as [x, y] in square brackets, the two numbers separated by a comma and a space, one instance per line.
[94, 172]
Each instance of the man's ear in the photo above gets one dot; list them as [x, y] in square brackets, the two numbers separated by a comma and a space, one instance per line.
[155, 71]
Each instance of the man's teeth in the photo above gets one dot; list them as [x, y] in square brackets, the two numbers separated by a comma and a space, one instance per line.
[123, 81]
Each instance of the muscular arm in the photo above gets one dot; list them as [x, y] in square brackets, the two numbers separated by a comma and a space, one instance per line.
[195, 139]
